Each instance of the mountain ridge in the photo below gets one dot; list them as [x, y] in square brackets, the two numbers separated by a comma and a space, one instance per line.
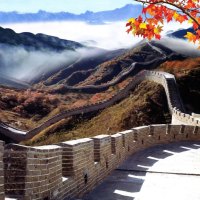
[36, 41]
[118, 14]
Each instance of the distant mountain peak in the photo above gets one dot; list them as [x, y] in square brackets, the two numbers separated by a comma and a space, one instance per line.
[118, 14]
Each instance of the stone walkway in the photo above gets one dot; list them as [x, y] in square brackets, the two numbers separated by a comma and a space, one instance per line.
[164, 172]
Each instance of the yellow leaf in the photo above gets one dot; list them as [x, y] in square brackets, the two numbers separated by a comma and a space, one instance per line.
[191, 37]
[156, 31]
[132, 20]
[143, 26]
[176, 15]
[190, 21]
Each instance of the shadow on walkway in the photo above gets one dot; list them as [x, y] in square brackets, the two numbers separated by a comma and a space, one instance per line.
[125, 183]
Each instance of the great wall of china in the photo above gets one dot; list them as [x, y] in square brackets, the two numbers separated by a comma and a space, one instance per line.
[73, 168]
[166, 80]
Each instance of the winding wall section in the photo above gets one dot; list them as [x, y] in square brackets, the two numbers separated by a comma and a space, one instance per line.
[165, 79]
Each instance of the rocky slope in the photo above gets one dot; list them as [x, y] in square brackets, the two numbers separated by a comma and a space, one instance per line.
[107, 72]
[147, 100]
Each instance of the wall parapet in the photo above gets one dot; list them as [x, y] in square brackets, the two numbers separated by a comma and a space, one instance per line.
[179, 117]
[71, 169]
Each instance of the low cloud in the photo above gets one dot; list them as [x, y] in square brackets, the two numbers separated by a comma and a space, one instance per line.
[181, 46]
[19, 63]
[26, 65]
[107, 36]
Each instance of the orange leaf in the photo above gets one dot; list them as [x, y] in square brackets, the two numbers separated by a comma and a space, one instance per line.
[191, 37]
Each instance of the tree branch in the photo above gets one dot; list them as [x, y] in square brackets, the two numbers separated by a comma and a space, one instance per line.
[171, 4]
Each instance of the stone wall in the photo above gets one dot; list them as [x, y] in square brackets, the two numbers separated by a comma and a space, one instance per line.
[175, 104]
[179, 117]
[32, 173]
[73, 168]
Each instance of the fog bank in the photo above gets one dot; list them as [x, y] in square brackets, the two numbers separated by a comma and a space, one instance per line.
[25, 65]
[108, 36]
[181, 46]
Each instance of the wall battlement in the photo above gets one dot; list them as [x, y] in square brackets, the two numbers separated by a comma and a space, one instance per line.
[73, 168]
[179, 117]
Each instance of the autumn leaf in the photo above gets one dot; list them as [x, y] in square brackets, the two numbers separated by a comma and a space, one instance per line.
[143, 26]
[181, 18]
[157, 30]
[190, 36]
[157, 36]
[156, 13]
[131, 20]
[176, 15]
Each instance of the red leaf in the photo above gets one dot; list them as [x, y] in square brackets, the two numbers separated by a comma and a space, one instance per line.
[128, 24]
[129, 30]
[157, 36]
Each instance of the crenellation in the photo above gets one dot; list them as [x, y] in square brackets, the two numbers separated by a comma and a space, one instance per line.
[196, 130]
[73, 168]
[78, 162]
[26, 176]
[142, 132]
[151, 130]
[127, 139]
[116, 143]
[102, 148]
[135, 135]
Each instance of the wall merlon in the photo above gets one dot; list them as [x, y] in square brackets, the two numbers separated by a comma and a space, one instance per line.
[102, 148]
[127, 138]
[76, 142]
[174, 129]
[142, 132]
[158, 129]
[116, 143]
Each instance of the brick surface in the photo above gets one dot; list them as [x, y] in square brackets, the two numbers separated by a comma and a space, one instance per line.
[74, 168]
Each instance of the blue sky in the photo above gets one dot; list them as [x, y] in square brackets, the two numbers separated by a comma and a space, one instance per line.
[74, 6]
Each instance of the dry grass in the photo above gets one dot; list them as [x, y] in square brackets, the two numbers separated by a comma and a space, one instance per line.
[11, 100]
[146, 105]
[180, 68]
